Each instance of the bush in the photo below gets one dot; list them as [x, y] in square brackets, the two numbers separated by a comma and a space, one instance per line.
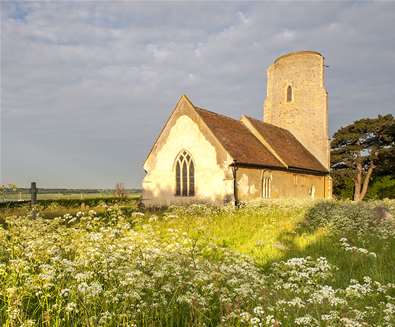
[350, 218]
[382, 187]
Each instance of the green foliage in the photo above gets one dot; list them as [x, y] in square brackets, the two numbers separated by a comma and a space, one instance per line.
[382, 187]
[74, 203]
[277, 263]
[367, 138]
[91, 202]
[351, 219]
[368, 142]
[343, 183]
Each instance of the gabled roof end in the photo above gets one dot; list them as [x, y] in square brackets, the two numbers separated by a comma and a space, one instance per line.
[185, 97]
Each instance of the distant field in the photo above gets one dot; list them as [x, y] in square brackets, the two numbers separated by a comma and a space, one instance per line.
[19, 196]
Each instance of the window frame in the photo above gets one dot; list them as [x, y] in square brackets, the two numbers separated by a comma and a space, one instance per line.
[289, 94]
[184, 175]
[266, 187]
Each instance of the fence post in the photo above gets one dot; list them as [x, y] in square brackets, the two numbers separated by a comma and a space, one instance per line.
[33, 201]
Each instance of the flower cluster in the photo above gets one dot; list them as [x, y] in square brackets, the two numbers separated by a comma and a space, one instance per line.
[360, 219]
[112, 269]
[354, 249]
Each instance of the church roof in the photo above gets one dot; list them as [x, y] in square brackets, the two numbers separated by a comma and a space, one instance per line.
[279, 148]
[287, 146]
[241, 144]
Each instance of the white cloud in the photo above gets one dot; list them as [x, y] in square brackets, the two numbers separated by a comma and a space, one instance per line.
[243, 17]
[95, 81]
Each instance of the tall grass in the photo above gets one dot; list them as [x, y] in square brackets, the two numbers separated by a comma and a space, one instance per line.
[269, 264]
[271, 231]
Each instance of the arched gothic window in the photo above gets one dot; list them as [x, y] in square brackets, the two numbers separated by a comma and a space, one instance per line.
[266, 187]
[289, 93]
[185, 175]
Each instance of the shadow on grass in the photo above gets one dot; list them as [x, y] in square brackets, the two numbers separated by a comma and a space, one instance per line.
[319, 234]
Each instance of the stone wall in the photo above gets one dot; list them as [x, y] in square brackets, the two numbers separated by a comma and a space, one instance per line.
[213, 177]
[283, 184]
[306, 116]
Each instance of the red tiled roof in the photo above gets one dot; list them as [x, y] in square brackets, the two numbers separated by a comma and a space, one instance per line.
[237, 140]
[244, 147]
[287, 147]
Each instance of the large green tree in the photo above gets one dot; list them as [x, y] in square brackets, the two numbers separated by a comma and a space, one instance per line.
[360, 151]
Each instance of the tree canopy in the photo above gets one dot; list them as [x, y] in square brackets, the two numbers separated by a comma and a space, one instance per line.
[362, 151]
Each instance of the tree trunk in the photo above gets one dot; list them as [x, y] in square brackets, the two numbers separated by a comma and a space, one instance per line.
[358, 182]
[366, 181]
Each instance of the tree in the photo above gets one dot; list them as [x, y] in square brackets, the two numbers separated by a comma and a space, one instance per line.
[120, 190]
[361, 149]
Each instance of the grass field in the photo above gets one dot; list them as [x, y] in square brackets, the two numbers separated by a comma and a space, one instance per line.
[271, 264]
[17, 196]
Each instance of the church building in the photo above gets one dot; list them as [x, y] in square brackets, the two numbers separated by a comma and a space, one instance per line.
[204, 157]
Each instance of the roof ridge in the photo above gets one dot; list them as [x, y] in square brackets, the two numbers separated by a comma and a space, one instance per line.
[216, 113]
[290, 134]
[246, 121]
[233, 135]
[265, 123]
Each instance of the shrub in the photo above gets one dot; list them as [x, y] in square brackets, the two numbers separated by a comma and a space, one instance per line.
[348, 218]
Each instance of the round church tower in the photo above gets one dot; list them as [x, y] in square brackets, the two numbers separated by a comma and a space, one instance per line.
[298, 101]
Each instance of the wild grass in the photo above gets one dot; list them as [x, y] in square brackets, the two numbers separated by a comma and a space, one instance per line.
[280, 230]
[16, 196]
[268, 264]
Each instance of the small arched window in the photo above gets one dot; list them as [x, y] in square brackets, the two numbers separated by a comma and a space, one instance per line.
[185, 175]
[289, 93]
[266, 187]
[312, 192]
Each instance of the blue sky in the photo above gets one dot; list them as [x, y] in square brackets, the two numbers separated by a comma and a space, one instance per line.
[87, 86]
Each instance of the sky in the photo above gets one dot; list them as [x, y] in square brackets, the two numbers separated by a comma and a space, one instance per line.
[86, 86]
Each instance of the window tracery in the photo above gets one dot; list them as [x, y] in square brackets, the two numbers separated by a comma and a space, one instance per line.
[185, 175]
[266, 187]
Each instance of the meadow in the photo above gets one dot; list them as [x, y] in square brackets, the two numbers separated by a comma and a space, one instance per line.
[25, 195]
[274, 263]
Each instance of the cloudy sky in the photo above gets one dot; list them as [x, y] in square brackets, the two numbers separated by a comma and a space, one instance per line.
[86, 86]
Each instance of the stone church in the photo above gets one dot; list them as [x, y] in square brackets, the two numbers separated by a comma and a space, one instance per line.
[204, 157]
